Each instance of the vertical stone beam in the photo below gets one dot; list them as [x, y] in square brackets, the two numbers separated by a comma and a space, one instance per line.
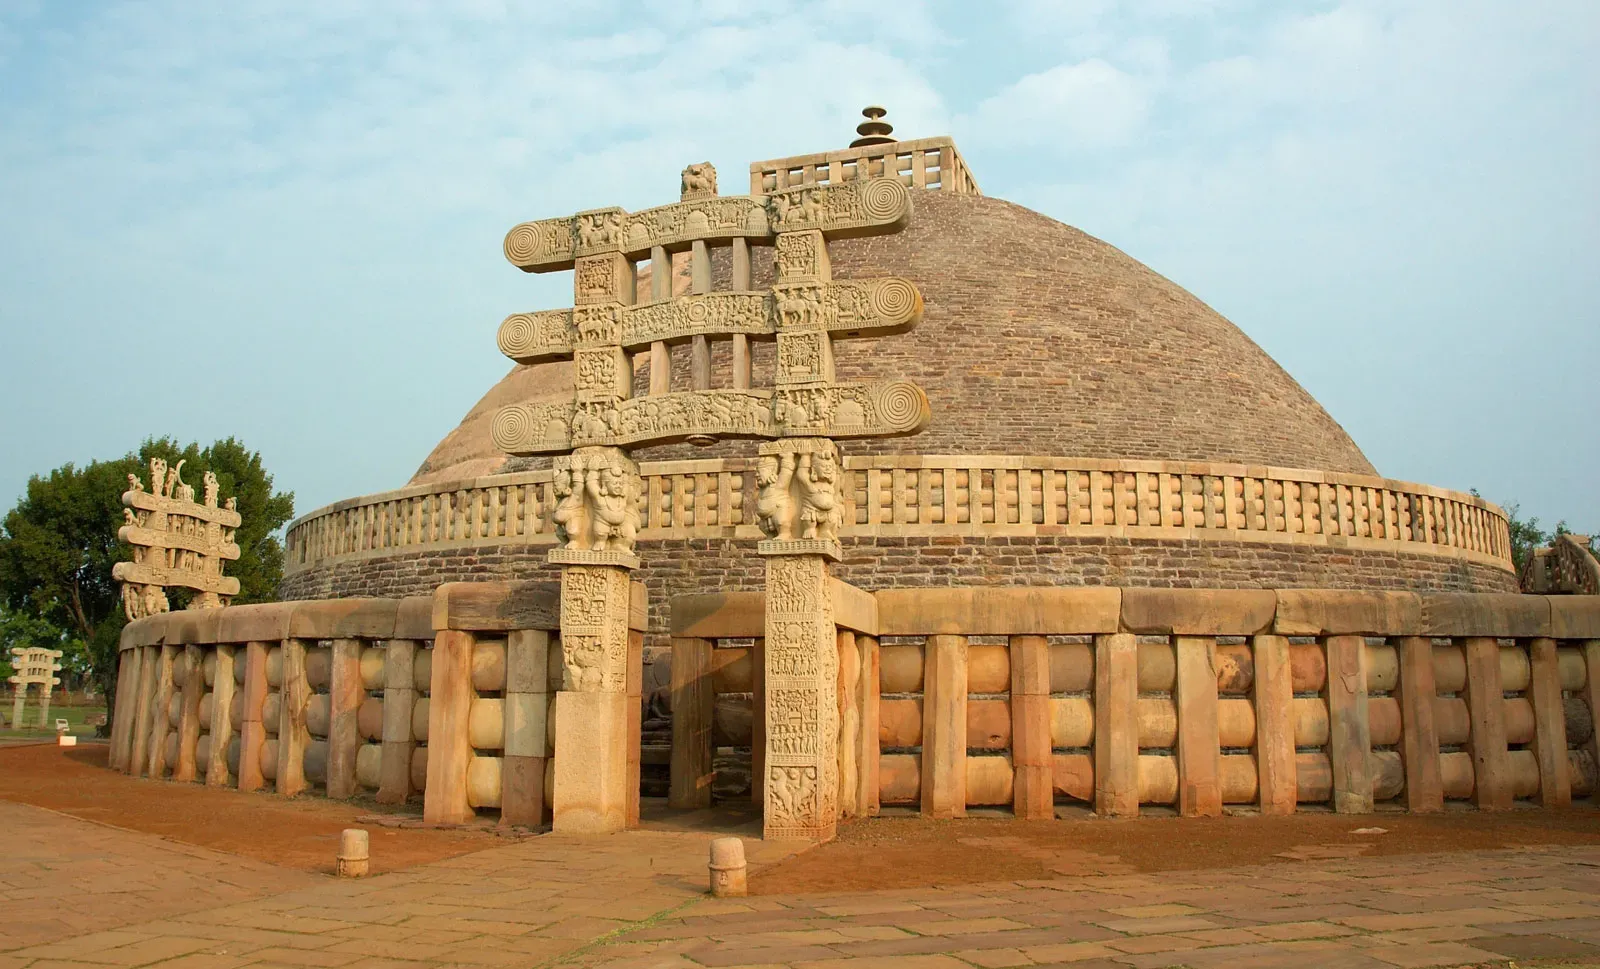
[867, 791]
[399, 701]
[19, 704]
[1591, 699]
[194, 683]
[591, 774]
[44, 694]
[758, 725]
[252, 732]
[692, 701]
[345, 693]
[741, 342]
[1349, 732]
[162, 724]
[292, 733]
[849, 694]
[700, 346]
[944, 727]
[126, 712]
[1549, 725]
[450, 697]
[1419, 738]
[1033, 790]
[635, 727]
[801, 656]
[1274, 696]
[660, 288]
[527, 707]
[1491, 767]
[222, 699]
[1116, 725]
[1199, 742]
[144, 707]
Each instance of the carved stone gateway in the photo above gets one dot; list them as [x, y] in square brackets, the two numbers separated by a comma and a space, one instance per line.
[35, 666]
[612, 330]
[176, 541]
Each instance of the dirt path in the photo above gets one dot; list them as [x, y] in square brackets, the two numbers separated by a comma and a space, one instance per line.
[301, 833]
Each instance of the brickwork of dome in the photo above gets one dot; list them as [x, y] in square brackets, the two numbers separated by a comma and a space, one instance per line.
[1037, 339]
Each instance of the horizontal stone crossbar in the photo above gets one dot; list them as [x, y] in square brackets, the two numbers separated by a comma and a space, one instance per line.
[1171, 612]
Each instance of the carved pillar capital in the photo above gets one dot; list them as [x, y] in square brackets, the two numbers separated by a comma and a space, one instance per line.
[597, 507]
[800, 505]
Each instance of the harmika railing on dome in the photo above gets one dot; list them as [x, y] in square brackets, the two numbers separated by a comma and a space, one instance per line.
[930, 163]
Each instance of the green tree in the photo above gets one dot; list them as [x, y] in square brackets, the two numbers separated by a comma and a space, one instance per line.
[57, 546]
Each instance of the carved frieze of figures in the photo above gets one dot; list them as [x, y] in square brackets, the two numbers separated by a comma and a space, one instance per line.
[861, 207]
[829, 410]
[594, 629]
[799, 496]
[176, 541]
[597, 500]
[553, 244]
[874, 204]
[853, 307]
[699, 181]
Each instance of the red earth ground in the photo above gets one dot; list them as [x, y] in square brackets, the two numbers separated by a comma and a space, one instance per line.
[878, 853]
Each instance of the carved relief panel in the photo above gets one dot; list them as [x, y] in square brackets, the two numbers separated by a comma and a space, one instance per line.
[594, 629]
[802, 668]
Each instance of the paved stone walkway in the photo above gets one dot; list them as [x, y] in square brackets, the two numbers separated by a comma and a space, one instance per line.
[128, 900]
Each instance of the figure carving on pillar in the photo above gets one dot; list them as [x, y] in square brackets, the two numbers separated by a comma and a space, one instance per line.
[799, 500]
[819, 503]
[597, 508]
[774, 472]
[616, 508]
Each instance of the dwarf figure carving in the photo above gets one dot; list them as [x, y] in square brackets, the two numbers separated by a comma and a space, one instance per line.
[818, 476]
[571, 515]
[616, 514]
[774, 505]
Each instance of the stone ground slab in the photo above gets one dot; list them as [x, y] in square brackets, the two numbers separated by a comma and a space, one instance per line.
[84, 895]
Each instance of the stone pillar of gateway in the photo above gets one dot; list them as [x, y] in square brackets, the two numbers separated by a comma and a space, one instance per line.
[610, 331]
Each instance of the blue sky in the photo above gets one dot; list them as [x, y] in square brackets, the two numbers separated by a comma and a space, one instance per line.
[283, 220]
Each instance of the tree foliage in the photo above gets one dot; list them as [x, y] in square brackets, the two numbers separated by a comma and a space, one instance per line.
[1526, 535]
[57, 546]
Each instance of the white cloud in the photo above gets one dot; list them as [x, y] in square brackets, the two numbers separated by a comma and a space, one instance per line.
[1070, 106]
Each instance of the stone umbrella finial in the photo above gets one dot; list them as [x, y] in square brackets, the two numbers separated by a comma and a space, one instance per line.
[874, 130]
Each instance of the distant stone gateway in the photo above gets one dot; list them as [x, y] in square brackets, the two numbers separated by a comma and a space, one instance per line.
[861, 491]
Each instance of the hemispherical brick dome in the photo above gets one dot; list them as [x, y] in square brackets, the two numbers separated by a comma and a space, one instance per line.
[1037, 339]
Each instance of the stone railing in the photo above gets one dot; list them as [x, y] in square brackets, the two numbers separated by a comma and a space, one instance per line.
[448, 696]
[1566, 567]
[978, 495]
[1183, 699]
[932, 163]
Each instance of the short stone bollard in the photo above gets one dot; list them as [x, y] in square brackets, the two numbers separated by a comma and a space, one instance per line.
[353, 858]
[727, 868]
